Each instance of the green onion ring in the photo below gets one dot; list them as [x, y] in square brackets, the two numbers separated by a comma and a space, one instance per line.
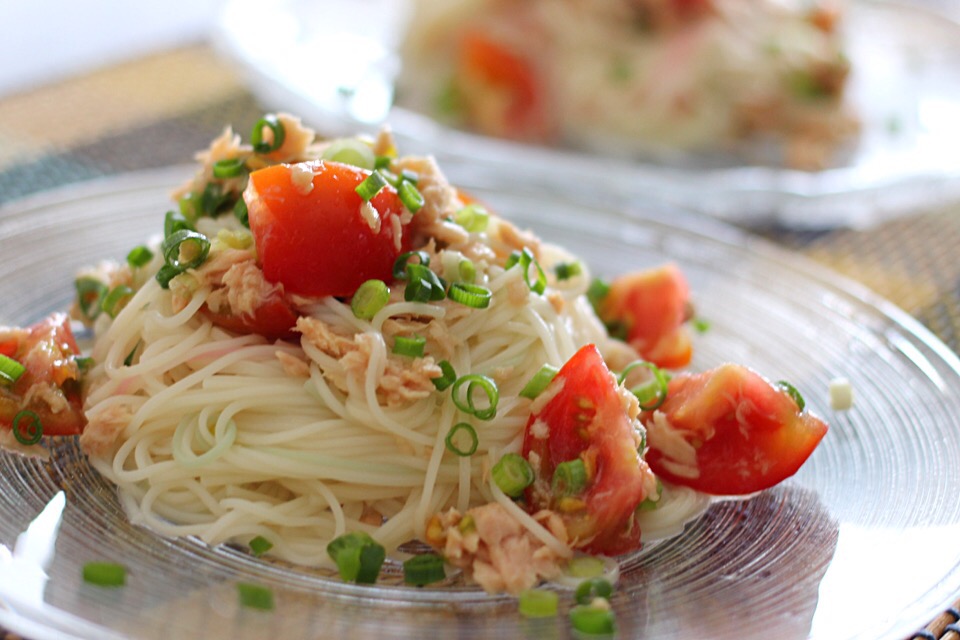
[31, 434]
[139, 256]
[410, 196]
[10, 369]
[271, 122]
[105, 574]
[114, 301]
[260, 545]
[538, 603]
[370, 297]
[172, 244]
[255, 596]
[470, 295]
[371, 186]
[400, 264]
[448, 377]
[411, 347]
[793, 393]
[569, 478]
[661, 379]
[423, 569]
[540, 381]
[474, 440]
[512, 474]
[228, 168]
[472, 381]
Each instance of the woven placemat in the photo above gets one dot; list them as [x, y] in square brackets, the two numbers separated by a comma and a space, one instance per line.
[151, 112]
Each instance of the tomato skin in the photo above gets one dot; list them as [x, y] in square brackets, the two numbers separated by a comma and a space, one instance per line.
[652, 306]
[748, 434]
[46, 350]
[274, 320]
[314, 241]
[587, 419]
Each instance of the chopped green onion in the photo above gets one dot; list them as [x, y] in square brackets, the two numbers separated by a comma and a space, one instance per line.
[423, 569]
[567, 270]
[174, 222]
[586, 567]
[240, 212]
[448, 378]
[652, 394]
[793, 393]
[472, 218]
[411, 347]
[569, 478]
[617, 330]
[423, 284]
[371, 296]
[538, 603]
[400, 264]
[260, 545]
[189, 208]
[470, 432]
[105, 574]
[139, 256]
[213, 199]
[467, 271]
[409, 175]
[166, 274]
[228, 168]
[470, 295]
[358, 557]
[185, 249]
[90, 293]
[513, 474]
[592, 619]
[540, 381]
[10, 369]
[466, 404]
[525, 259]
[255, 596]
[593, 588]
[84, 363]
[382, 162]
[597, 291]
[352, 151]
[410, 196]
[133, 354]
[700, 325]
[31, 433]
[276, 127]
[371, 186]
[114, 301]
[652, 502]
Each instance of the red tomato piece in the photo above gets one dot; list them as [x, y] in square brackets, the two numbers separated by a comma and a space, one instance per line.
[730, 432]
[587, 419]
[273, 319]
[652, 306]
[51, 377]
[500, 81]
[314, 240]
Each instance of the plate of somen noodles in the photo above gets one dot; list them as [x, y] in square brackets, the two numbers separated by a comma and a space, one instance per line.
[312, 388]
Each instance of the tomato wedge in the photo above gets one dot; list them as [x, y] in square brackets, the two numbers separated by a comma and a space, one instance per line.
[729, 431]
[50, 385]
[652, 306]
[310, 233]
[585, 419]
[273, 319]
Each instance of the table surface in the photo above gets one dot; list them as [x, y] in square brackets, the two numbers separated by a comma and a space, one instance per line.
[151, 112]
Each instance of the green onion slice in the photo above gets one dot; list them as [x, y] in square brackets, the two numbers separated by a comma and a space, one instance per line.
[472, 218]
[700, 325]
[174, 222]
[116, 300]
[569, 478]
[10, 369]
[358, 557]
[189, 208]
[513, 474]
[241, 213]
[593, 588]
[540, 381]
[453, 435]
[465, 401]
[591, 619]
[652, 394]
[84, 363]
[597, 291]
[567, 270]
[410, 196]
[467, 271]
[165, 274]
[28, 434]
[651, 502]
[213, 199]
[139, 256]
[525, 259]
[423, 569]
[586, 567]
[371, 186]
[423, 284]
[90, 293]
[538, 603]
[371, 296]
[260, 545]
[105, 574]
[793, 393]
[228, 168]
[382, 162]
[352, 151]
[400, 264]
[411, 347]
[276, 127]
[255, 596]
[185, 249]
[448, 377]
[470, 295]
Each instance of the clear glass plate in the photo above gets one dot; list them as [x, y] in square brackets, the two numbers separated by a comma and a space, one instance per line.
[863, 542]
[334, 62]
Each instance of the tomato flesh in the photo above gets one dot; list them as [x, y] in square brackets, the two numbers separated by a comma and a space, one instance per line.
[652, 306]
[46, 350]
[748, 434]
[311, 235]
[586, 419]
[273, 319]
